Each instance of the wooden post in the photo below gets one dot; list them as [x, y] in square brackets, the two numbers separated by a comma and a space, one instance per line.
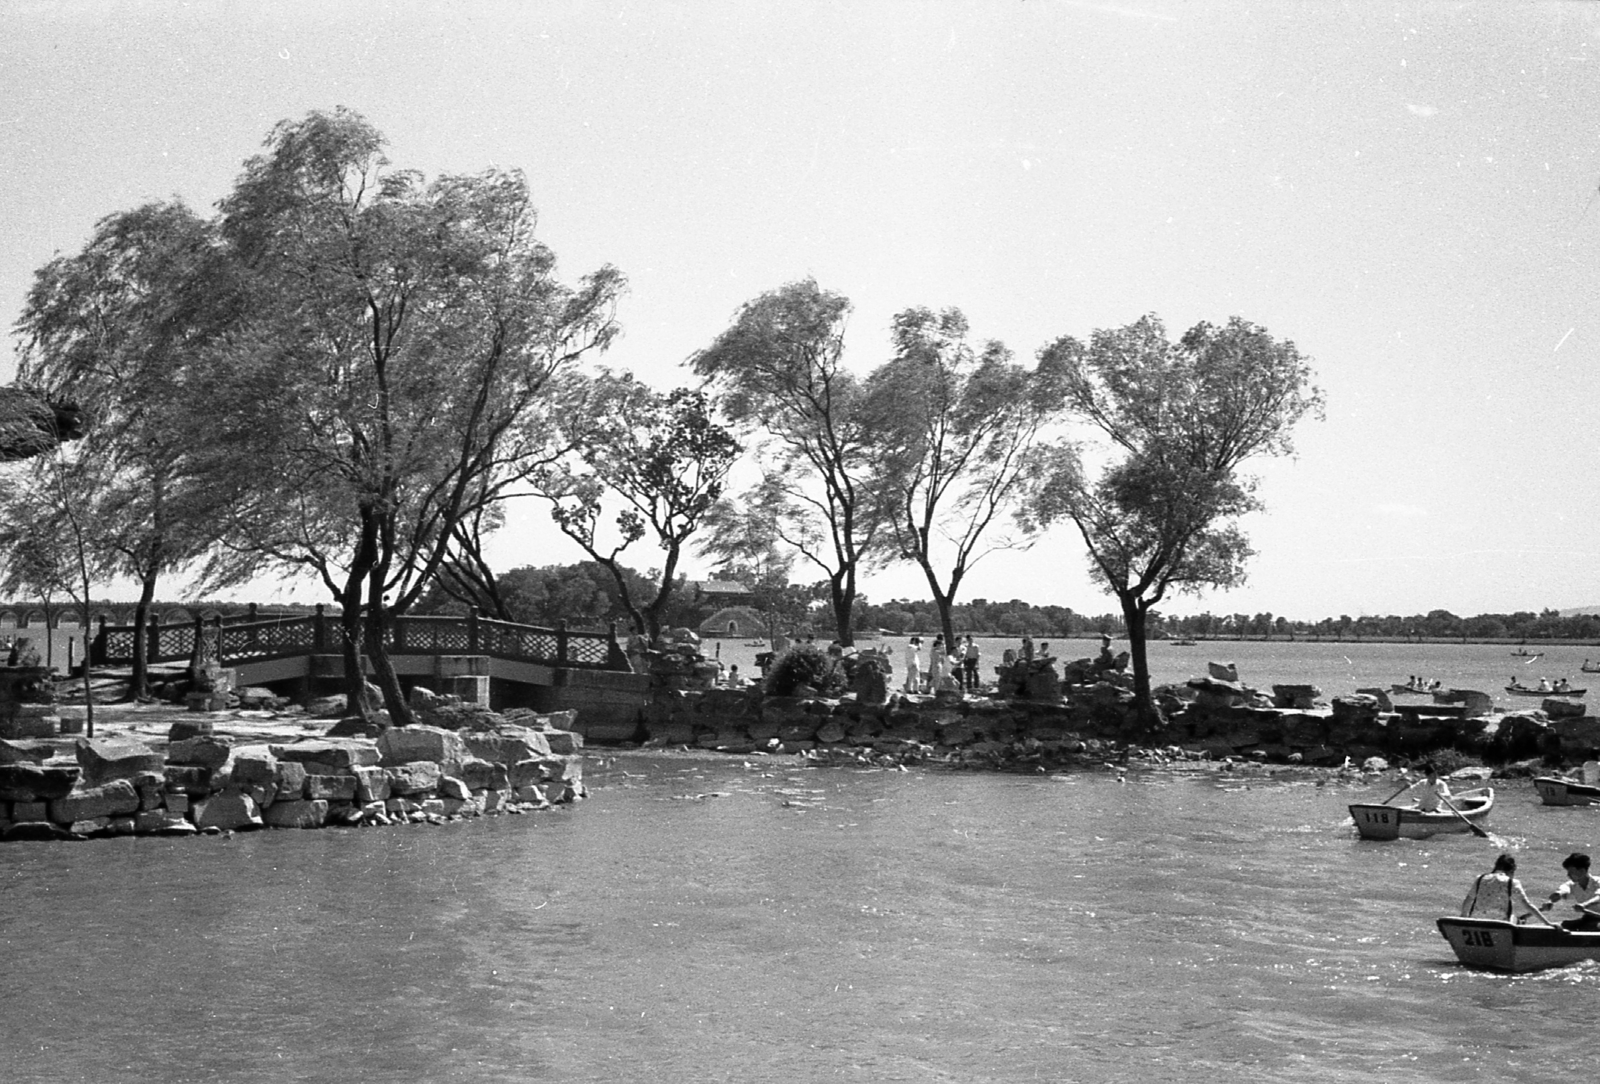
[472, 629]
[197, 656]
[216, 625]
[152, 639]
[561, 642]
[319, 632]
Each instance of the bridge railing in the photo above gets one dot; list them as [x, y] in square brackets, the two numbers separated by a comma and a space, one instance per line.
[233, 642]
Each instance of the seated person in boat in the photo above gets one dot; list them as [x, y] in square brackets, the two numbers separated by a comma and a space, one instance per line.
[1544, 685]
[1434, 790]
[1576, 895]
[1498, 894]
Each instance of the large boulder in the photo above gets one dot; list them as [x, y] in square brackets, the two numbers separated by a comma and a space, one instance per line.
[105, 759]
[83, 803]
[416, 777]
[228, 811]
[36, 782]
[507, 745]
[404, 744]
[204, 751]
[311, 813]
[330, 754]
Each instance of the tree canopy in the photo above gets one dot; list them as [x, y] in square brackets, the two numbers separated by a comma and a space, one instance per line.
[1161, 513]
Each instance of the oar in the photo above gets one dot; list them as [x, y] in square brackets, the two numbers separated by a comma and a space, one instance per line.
[1405, 787]
[1479, 832]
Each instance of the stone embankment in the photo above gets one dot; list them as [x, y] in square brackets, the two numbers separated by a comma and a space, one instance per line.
[197, 781]
[1211, 718]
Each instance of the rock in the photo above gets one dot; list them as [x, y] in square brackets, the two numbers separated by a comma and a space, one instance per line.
[254, 766]
[416, 777]
[336, 754]
[227, 811]
[88, 802]
[325, 788]
[326, 707]
[36, 782]
[508, 745]
[402, 745]
[202, 751]
[564, 743]
[1223, 671]
[296, 814]
[372, 784]
[184, 729]
[289, 779]
[25, 751]
[104, 759]
[354, 726]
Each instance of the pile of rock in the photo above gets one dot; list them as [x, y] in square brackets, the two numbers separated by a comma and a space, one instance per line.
[205, 783]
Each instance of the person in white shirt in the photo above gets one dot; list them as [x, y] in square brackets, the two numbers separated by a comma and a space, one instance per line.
[913, 660]
[1435, 791]
[1573, 900]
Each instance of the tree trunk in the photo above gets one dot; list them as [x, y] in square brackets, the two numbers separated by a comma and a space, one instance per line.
[1134, 612]
[139, 679]
[842, 586]
[394, 698]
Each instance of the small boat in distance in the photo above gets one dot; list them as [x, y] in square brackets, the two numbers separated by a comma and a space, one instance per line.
[1497, 945]
[1417, 687]
[1558, 790]
[1183, 643]
[1587, 669]
[1408, 822]
[1516, 688]
[1524, 653]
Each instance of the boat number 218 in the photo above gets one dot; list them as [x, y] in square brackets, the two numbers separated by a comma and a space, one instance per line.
[1480, 938]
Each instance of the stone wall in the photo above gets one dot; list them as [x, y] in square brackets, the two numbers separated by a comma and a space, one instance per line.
[204, 783]
[1213, 724]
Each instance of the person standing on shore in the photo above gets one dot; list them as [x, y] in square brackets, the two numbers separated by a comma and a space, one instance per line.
[938, 663]
[913, 660]
[969, 664]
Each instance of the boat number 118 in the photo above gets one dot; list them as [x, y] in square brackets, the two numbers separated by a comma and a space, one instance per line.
[1481, 938]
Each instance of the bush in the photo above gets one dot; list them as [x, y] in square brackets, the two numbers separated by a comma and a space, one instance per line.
[802, 664]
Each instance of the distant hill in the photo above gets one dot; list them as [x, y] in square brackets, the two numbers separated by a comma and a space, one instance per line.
[1579, 610]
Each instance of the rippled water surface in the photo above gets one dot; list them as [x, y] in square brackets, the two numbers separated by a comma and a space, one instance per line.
[750, 920]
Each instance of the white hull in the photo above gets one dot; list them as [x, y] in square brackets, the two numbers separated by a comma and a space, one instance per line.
[1497, 945]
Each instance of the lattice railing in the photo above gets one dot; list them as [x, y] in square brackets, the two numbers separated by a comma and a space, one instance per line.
[232, 641]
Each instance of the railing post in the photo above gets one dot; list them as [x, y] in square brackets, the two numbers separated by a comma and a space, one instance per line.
[152, 639]
[561, 641]
[254, 633]
[196, 656]
[97, 653]
[216, 625]
[319, 630]
[472, 629]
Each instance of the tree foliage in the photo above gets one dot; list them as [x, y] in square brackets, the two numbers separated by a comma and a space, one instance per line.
[1161, 513]
[659, 461]
[959, 435]
[387, 377]
[781, 378]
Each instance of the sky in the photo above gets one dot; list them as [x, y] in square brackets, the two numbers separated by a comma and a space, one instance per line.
[1406, 191]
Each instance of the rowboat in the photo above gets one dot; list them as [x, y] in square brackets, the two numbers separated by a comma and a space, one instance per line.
[1587, 669]
[1524, 653]
[1406, 822]
[1183, 643]
[1498, 945]
[1412, 690]
[1523, 690]
[1554, 790]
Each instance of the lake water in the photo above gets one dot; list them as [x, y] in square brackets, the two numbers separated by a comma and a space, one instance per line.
[1336, 668]
[746, 919]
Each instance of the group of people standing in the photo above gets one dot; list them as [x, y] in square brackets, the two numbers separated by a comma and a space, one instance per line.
[959, 665]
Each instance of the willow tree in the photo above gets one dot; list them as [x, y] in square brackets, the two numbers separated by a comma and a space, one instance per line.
[961, 435]
[1160, 513]
[402, 335]
[779, 370]
[124, 324]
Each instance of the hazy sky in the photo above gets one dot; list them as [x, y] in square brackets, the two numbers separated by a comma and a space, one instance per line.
[1407, 191]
